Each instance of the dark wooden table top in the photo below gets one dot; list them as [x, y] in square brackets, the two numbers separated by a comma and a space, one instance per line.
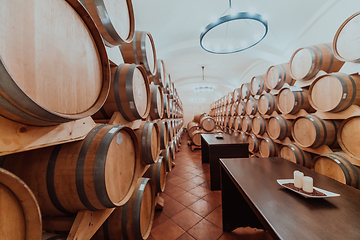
[288, 214]
[210, 139]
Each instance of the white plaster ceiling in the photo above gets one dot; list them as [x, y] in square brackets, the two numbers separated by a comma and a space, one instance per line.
[176, 25]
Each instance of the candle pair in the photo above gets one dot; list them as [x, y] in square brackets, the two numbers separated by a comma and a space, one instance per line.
[304, 182]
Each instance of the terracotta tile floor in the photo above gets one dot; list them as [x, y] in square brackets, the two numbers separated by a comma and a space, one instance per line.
[191, 210]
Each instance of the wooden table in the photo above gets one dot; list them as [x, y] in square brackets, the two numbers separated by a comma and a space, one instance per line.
[252, 197]
[212, 149]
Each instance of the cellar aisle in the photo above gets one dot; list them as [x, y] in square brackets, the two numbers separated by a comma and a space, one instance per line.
[191, 210]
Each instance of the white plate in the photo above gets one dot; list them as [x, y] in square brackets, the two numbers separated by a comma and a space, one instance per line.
[327, 193]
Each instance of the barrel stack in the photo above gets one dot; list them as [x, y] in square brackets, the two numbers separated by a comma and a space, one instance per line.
[306, 111]
[109, 130]
[201, 124]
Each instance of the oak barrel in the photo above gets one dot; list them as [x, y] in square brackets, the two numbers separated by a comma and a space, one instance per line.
[134, 220]
[267, 104]
[20, 216]
[259, 125]
[292, 101]
[114, 19]
[254, 143]
[257, 85]
[277, 76]
[247, 124]
[207, 123]
[312, 131]
[157, 173]
[148, 137]
[129, 93]
[166, 106]
[237, 94]
[295, 154]
[279, 127]
[268, 148]
[237, 123]
[241, 108]
[346, 43]
[141, 51]
[195, 137]
[160, 75]
[53, 66]
[173, 149]
[306, 62]
[156, 102]
[349, 136]
[335, 92]
[165, 153]
[251, 106]
[242, 136]
[164, 133]
[245, 90]
[98, 172]
[337, 166]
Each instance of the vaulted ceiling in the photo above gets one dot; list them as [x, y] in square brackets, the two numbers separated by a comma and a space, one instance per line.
[176, 26]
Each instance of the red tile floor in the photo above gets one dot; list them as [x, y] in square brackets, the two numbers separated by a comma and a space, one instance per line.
[191, 210]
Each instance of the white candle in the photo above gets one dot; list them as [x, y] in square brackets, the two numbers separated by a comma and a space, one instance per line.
[298, 179]
[308, 184]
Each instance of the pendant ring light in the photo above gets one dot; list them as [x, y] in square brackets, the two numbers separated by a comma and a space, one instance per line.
[234, 17]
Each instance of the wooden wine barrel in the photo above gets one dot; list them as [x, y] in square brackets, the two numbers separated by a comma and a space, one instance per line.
[251, 106]
[156, 102]
[231, 123]
[129, 94]
[306, 62]
[233, 109]
[163, 133]
[258, 86]
[141, 51]
[349, 136]
[277, 76]
[51, 71]
[134, 220]
[335, 92]
[195, 137]
[166, 106]
[159, 77]
[346, 43]
[198, 117]
[148, 137]
[279, 127]
[337, 166]
[237, 94]
[173, 149]
[20, 213]
[259, 125]
[98, 172]
[165, 153]
[247, 124]
[207, 123]
[295, 154]
[237, 123]
[114, 19]
[242, 136]
[312, 131]
[254, 143]
[230, 98]
[171, 130]
[241, 108]
[245, 90]
[268, 148]
[157, 173]
[291, 102]
[267, 104]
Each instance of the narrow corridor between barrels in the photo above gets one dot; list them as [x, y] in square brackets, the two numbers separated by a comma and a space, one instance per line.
[192, 210]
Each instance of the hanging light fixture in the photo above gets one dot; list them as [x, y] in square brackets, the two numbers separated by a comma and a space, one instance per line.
[203, 88]
[233, 32]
